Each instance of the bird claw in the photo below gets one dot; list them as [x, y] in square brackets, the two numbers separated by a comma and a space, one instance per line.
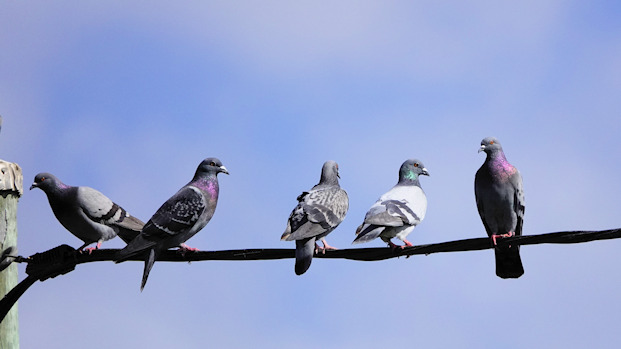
[495, 236]
[183, 248]
[89, 249]
[324, 248]
[395, 246]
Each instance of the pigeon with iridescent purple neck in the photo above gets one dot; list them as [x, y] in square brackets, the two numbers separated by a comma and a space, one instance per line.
[179, 218]
[87, 213]
[319, 211]
[500, 200]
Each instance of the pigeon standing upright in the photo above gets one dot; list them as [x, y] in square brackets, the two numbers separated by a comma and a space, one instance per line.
[500, 201]
[319, 211]
[398, 211]
[179, 218]
[87, 213]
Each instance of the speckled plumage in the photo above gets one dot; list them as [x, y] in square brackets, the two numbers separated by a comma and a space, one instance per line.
[500, 201]
[179, 218]
[319, 211]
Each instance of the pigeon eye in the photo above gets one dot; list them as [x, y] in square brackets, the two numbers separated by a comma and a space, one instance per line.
[212, 163]
[491, 142]
[416, 164]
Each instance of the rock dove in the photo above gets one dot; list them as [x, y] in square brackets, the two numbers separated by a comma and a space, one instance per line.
[87, 213]
[500, 201]
[398, 211]
[179, 218]
[319, 211]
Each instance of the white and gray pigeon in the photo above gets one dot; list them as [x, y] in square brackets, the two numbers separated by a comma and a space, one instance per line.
[179, 218]
[500, 200]
[398, 211]
[319, 211]
[87, 213]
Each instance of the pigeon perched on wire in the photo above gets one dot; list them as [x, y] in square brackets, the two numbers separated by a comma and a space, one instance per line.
[319, 211]
[87, 213]
[398, 211]
[179, 218]
[500, 201]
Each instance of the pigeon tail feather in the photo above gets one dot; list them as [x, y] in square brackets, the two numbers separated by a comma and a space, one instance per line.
[136, 246]
[368, 234]
[148, 264]
[509, 263]
[304, 250]
[127, 235]
[131, 222]
[129, 228]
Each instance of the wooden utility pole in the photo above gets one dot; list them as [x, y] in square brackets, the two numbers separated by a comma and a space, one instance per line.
[11, 188]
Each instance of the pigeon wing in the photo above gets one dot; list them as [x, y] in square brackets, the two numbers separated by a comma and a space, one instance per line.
[177, 215]
[317, 212]
[518, 201]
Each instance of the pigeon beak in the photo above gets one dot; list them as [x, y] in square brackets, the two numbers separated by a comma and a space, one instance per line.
[425, 172]
[34, 185]
[224, 170]
[481, 149]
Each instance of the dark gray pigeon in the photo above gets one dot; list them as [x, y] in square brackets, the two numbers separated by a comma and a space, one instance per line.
[87, 213]
[398, 211]
[179, 218]
[319, 211]
[500, 201]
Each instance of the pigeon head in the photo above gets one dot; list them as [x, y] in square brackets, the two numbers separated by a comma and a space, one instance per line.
[210, 166]
[490, 145]
[411, 169]
[46, 182]
[330, 173]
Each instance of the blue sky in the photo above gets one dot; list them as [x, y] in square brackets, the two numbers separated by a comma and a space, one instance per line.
[128, 98]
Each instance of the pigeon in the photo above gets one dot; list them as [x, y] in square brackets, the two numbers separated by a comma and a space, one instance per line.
[319, 211]
[398, 211]
[500, 201]
[87, 213]
[179, 218]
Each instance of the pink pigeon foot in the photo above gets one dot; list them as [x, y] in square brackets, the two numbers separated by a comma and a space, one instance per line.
[183, 248]
[324, 248]
[327, 247]
[90, 249]
[495, 236]
[395, 246]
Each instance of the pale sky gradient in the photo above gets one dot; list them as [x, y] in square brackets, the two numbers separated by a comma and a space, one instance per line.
[129, 97]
